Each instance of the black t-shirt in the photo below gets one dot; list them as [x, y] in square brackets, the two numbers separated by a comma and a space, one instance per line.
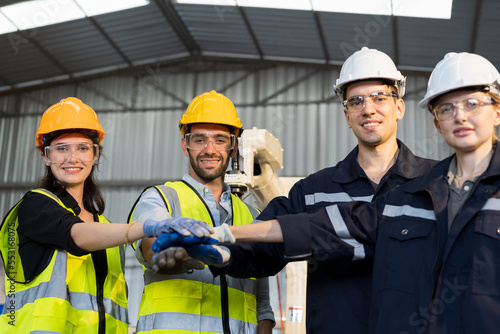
[44, 225]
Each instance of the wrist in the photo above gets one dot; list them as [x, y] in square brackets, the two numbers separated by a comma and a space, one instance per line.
[134, 232]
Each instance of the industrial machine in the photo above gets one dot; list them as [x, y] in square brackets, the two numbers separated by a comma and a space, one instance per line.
[260, 155]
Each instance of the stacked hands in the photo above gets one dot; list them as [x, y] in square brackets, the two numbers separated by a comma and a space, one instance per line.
[184, 244]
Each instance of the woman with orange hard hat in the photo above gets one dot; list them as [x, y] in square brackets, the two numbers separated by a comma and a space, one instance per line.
[63, 259]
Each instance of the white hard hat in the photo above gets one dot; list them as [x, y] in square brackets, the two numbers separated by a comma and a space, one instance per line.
[369, 64]
[459, 70]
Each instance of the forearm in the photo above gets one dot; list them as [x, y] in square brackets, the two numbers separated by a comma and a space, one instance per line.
[94, 236]
[265, 326]
[253, 259]
[267, 231]
[147, 252]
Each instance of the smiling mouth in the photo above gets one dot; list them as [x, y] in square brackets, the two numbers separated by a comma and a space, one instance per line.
[370, 124]
[205, 161]
[462, 131]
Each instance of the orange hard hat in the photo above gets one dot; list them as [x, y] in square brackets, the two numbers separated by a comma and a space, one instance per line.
[69, 114]
[214, 108]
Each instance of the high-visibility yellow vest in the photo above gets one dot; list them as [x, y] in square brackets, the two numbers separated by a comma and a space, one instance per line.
[191, 303]
[63, 298]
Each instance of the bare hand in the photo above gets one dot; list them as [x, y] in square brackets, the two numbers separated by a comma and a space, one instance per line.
[174, 260]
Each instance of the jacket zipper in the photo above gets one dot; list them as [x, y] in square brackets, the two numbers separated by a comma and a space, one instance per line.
[434, 289]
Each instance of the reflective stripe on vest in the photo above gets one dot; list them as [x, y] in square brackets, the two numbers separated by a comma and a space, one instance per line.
[59, 299]
[188, 322]
[191, 302]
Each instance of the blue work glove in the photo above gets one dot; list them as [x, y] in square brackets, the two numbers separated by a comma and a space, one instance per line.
[181, 225]
[211, 255]
[167, 240]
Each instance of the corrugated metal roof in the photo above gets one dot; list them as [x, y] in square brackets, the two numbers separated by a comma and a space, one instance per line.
[164, 31]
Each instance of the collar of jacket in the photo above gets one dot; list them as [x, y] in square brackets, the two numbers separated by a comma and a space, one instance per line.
[440, 170]
[406, 166]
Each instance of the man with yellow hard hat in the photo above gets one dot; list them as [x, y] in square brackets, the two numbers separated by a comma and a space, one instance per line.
[196, 301]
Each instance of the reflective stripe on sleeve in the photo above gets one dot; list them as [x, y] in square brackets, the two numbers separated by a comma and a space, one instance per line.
[492, 204]
[409, 211]
[342, 231]
[335, 198]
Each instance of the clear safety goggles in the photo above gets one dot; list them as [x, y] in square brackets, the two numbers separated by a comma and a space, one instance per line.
[220, 141]
[377, 99]
[472, 106]
[61, 153]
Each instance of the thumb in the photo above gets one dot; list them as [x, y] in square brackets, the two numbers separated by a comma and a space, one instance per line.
[225, 253]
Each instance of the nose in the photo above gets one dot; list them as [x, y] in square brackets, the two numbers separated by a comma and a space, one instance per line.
[459, 112]
[368, 106]
[210, 147]
[73, 157]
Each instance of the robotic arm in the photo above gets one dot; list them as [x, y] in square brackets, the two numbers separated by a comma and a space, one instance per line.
[254, 167]
[259, 156]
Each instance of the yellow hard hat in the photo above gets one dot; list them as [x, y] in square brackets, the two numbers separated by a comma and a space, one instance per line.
[69, 114]
[214, 108]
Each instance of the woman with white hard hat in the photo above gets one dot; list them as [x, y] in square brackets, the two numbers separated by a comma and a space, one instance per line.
[63, 260]
[435, 240]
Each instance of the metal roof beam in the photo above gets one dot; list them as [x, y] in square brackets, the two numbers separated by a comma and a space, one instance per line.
[170, 13]
[395, 39]
[290, 85]
[106, 96]
[321, 36]
[110, 40]
[237, 80]
[50, 57]
[172, 95]
[153, 74]
[250, 31]
[475, 25]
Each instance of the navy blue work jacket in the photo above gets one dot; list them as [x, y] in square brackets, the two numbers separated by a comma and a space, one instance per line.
[426, 279]
[336, 295]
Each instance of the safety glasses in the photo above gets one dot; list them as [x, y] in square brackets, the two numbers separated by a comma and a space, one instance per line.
[220, 141]
[61, 153]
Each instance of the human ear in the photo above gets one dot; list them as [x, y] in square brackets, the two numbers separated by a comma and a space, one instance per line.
[437, 125]
[347, 118]
[400, 109]
[184, 147]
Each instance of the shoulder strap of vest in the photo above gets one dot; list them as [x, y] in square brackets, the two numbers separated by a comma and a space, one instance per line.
[162, 195]
[9, 238]
[50, 195]
[188, 197]
[242, 212]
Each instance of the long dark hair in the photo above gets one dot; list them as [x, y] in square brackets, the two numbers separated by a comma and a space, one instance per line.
[93, 201]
